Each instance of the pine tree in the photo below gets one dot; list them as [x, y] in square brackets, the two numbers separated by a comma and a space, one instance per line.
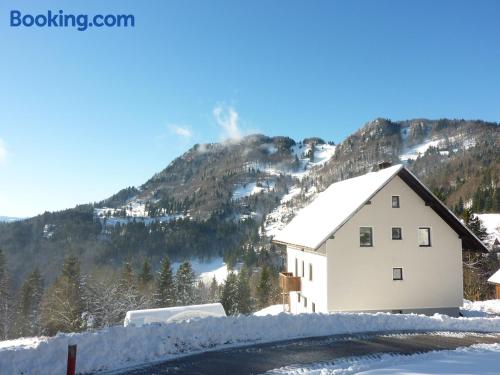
[29, 309]
[264, 288]
[165, 291]
[64, 304]
[474, 223]
[145, 280]
[6, 301]
[244, 296]
[214, 291]
[184, 282]
[229, 298]
[128, 291]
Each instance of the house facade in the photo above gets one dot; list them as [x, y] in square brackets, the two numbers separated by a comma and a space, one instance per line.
[378, 242]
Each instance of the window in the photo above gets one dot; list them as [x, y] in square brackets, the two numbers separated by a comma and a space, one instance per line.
[298, 297]
[396, 234]
[313, 306]
[424, 237]
[310, 272]
[397, 274]
[303, 270]
[305, 301]
[296, 267]
[365, 236]
[395, 201]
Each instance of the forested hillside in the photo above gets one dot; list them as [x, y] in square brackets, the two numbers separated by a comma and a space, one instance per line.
[227, 200]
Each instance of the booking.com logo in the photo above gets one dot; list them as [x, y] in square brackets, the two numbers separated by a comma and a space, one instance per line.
[80, 21]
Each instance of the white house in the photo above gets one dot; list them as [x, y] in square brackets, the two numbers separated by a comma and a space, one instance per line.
[378, 242]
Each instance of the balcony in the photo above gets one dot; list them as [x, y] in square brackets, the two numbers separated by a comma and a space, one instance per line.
[289, 283]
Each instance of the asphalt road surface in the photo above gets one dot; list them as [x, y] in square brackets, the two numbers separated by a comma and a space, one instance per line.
[257, 359]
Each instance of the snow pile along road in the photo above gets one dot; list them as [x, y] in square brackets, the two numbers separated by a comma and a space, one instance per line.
[120, 347]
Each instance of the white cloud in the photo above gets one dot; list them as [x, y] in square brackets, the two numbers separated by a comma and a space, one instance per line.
[3, 151]
[181, 131]
[227, 118]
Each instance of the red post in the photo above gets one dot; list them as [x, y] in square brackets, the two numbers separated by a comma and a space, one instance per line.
[71, 360]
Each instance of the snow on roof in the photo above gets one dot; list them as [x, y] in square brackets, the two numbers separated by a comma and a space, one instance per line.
[331, 208]
[495, 278]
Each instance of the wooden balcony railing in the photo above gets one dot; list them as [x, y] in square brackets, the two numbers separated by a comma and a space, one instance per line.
[289, 283]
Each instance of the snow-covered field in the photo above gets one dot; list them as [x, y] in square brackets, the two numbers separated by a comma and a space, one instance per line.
[205, 271]
[121, 347]
[480, 359]
[251, 189]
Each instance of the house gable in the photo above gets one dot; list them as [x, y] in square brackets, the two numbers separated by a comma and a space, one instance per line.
[319, 221]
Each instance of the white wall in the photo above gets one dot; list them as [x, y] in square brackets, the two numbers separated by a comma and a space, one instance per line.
[360, 278]
[315, 290]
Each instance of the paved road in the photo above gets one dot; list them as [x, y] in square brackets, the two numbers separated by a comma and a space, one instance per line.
[257, 359]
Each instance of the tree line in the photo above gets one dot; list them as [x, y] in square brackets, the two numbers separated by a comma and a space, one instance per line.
[76, 302]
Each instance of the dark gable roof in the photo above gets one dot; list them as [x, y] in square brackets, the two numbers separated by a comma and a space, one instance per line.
[469, 240]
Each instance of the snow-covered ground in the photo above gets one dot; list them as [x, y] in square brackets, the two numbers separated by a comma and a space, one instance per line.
[205, 271]
[444, 144]
[251, 189]
[121, 347]
[492, 224]
[414, 152]
[472, 308]
[270, 310]
[480, 359]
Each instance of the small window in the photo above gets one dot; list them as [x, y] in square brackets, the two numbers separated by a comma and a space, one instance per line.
[397, 274]
[424, 237]
[303, 270]
[310, 272]
[296, 267]
[365, 237]
[396, 234]
[313, 306]
[305, 301]
[395, 201]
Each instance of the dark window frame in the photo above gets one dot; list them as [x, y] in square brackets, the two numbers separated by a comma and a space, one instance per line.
[429, 242]
[305, 302]
[397, 201]
[296, 267]
[371, 237]
[313, 307]
[401, 272]
[303, 269]
[400, 234]
[310, 272]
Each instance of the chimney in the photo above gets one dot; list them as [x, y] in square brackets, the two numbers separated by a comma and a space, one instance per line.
[383, 164]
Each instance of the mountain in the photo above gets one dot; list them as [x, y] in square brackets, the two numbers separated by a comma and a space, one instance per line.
[228, 199]
[9, 219]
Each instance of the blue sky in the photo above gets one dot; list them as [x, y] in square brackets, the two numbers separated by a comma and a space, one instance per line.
[84, 114]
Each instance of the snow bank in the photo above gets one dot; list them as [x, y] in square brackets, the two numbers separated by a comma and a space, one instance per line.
[139, 318]
[119, 347]
[490, 306]
[477, 359]
[270, 310]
